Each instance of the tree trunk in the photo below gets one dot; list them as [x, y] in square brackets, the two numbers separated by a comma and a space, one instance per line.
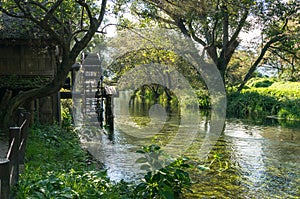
[259, 59]
[22, 97]
[65, 37]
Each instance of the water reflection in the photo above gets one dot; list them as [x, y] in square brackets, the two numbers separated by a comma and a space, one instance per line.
[267, 158]
[263, 160]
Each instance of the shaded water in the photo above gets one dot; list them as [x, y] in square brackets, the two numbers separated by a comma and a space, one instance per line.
[257, 159]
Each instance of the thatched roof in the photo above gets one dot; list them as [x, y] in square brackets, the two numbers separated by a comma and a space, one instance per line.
[19, 29]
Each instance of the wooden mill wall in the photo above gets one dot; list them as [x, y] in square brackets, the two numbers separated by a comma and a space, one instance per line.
[24, 60]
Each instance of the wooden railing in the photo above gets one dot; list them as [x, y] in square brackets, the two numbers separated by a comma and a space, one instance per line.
[9, 166]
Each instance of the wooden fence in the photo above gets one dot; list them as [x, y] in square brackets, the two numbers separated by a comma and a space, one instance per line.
[9, 166]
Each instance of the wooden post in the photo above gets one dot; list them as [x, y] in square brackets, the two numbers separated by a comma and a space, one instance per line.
[4, 179]
[13, 155]
[31, 111]
[58, 104]
[37, 109]
[19, 116]
[109, 115]
[23, 137]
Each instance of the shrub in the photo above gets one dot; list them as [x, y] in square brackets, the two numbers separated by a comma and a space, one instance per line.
[167, 182]
[249, 103]
[261, 82]
[281, 99]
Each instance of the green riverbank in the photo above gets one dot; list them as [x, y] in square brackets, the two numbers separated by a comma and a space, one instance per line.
[266, 97]
[57, 167]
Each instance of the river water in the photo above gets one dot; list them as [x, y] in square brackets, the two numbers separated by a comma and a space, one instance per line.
[255, 158]
[263, 162]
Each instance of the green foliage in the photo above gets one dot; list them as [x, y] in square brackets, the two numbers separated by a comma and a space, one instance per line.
[260, 82]
[65, 12]
[57, 167]
[167, 182]
[19, 82]
[290, 110]
[251, 104]
[151, 159]
[154, 56]
[54, 167]
[52, 146]
[284, 55]
[66, 113]
[265, 97]
[238, 66]
[69, 184]
[203, 98]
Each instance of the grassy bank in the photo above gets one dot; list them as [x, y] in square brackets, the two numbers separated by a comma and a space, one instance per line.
[266, 97]
[57, 167]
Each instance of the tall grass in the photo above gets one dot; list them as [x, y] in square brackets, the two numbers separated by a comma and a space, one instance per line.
[265, 97]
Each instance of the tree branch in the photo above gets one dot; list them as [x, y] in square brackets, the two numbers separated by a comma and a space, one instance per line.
[51, 11]
[260, 57]
[86, 7]
[225, 27]
[15, 15]
[194, 36]
[240, 26]
[27, 14]
[213, 32]
[94, 25]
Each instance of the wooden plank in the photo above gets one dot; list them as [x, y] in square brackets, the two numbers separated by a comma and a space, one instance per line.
[4, 179]
[9, 166]
[22, 60]
[14, 133]
[10, 149]
[23, 137]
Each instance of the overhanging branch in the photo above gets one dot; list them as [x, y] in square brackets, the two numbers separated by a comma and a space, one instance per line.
[260, 57]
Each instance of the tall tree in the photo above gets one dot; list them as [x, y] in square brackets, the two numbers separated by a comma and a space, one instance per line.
[217, 24]
[279, 37]
[285, 55]
[70, 23]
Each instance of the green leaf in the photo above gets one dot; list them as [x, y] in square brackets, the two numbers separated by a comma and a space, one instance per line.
[67, 195]
[167, 192]
[145, 167]
[140, 151]
[203, 168]
[141, 160]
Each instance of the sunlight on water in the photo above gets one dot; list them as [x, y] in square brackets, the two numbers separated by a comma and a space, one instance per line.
[264, 160]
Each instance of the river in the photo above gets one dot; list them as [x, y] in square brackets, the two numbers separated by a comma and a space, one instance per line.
[258, 158]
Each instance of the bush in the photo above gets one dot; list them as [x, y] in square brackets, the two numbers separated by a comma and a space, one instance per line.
[281, 99]
[203, 99]
[167, 182]
[249, 103]
[261, 82]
